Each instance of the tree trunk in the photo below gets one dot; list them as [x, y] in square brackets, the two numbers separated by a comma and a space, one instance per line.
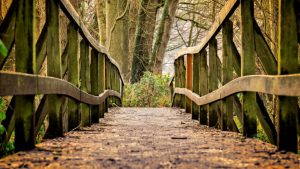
[101, 18]
[162, 37]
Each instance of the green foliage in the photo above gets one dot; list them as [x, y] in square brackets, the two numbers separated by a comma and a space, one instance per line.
[2, 115]
[3, 49]
[151, 91]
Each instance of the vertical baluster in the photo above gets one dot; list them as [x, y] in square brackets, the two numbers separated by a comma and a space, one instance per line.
[196, 85]
[177, 97]
[94, 85]
[73, 75]
[101, 81]
[25, 62]
[54, 68]
[189, 81]
[287, 64]
[248, 67]
[84, 81]
[182, 80]
[213, 81]
[203, 85]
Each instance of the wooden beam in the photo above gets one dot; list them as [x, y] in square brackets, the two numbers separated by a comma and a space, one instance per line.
[189, 81]
[176, 100]
[196, 85]
[25, 62]
[182, 81]
[287, 64]
[41, 46]
[203, 86]
[101, 81]
[248, 67]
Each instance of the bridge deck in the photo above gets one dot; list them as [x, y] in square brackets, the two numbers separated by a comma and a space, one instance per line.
[153, 137]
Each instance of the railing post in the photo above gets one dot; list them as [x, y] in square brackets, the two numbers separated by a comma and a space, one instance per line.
[85, 81]
[25, 62]
[287, 64]
[213, 81]
[73, 76]
[177, 97]
[189, 81]
[101, 81]
[203, 85]
[54, 68]
[107, 81]
[248, 67]
[182, 80]
[94, 85]
[196, 85]
[227, 122]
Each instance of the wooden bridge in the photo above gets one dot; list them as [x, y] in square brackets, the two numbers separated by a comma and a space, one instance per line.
[75, 98]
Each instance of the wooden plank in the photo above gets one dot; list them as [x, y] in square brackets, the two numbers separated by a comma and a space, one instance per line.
[7, 30]
[25, 62]
[283, 85]
[224, 14]
[176, 100]
[107, 77]
[101, 81]
[196, 85]
[40, 114]
[287, 64]
[73, 75]
[248, 67]
[227, 75]
[189, 81]
[84, 79]
[94, 85]
[182, 78]
[203, 86]
[41, 45]
[298, 23]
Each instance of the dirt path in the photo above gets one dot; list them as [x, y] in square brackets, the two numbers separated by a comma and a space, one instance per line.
[151, 138]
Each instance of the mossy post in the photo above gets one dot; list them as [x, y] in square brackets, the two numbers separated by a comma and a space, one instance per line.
[84, 79]
[107, 81]
[287, 64]
[203, 85]
[177, 97]
[54, 68]
[227, 75]
[94, 85]
[101, 81]
[25, 62]
[182, 80]
[213, 81]
[189, 81]
[248, 67]
[196, 85]
[73, 76]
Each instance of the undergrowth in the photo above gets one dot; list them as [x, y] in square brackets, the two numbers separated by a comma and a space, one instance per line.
[151, 91]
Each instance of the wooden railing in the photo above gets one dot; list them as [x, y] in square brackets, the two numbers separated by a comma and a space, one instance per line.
[81, 82]
[196, 80]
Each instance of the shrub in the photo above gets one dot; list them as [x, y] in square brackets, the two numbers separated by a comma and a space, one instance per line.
[151, 91]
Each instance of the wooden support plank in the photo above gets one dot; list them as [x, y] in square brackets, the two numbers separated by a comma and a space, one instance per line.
[84, 79]
[298, 23]
[41, 45]
[55, 128]
[203, 86]
[287, 64]
[101, 81]
[182, 81]
[196, 85]
[107, 80]
[176, 100]
[227, 75]
[213, 81]
[189, 81]
[73, 75]
[40, 114]
[94, 85]
[25, 62]
[248, 67]
[7, 30]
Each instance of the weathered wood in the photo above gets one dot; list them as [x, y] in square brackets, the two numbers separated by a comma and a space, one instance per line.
[213, 80]
[228, 52]
[283, 85]
[298, 24]
[47, 85]
[248, 67]
[94, 85]
[107, 81]
[40, 114]
[25, 62]
[73, 75]
[55, 128]
[203, 86]
[182, 81]
[84, 79]
[189, 81]
[224, 14]
[264, 52]
[176, 100]
[287, 64]
[41, 45]
[196, 85]
[101, 81]
[7, 30]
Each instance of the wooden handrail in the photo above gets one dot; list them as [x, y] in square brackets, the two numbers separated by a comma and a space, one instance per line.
[12, 83]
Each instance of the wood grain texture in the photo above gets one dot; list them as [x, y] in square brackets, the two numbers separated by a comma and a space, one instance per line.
[12, 83]
[282, 85]
[225, 13]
